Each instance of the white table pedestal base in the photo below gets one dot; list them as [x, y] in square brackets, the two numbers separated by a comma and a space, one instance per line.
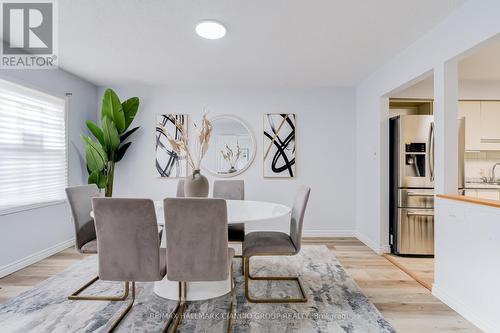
[196, 291]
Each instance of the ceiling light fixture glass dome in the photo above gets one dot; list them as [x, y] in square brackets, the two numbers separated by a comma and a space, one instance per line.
[210, 29]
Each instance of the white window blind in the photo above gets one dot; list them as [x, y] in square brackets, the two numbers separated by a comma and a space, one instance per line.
[33, 158]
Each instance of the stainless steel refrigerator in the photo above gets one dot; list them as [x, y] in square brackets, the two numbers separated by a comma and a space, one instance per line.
[411, 227]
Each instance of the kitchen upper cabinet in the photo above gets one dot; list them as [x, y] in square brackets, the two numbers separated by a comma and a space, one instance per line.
[482, 124]
[490, 125]
[472, 113]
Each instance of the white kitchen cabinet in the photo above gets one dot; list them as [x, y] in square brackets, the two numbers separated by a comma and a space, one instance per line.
[482, 124]
[490, 125]
[490, 194]
[471, 193]
[472, 113]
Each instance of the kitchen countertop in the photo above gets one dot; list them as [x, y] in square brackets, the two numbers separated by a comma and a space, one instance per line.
[482, 186]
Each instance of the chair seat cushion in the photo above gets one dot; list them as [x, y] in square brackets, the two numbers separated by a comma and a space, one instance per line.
[89, 247]
[236, 232]
[268, 243]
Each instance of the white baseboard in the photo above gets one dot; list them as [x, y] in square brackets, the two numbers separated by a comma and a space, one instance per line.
[385, 249]
[378, 249]
[328, 233]
[35, 257]
[475, 316]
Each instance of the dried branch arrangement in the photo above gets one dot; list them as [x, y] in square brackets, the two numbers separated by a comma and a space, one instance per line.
[230, 156]
[181, 146]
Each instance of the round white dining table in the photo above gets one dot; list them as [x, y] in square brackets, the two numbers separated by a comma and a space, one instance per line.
[238, 211]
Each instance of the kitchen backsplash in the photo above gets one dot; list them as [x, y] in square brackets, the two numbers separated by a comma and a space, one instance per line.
[479, 164]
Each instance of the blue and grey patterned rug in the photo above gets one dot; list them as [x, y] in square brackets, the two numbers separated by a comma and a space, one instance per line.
[335, 302]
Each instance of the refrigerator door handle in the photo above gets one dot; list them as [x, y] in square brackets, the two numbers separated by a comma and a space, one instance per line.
[415, 194]
[417, 213]
[431, 151]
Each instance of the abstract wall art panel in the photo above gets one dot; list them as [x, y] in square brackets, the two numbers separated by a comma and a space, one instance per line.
[168, 163]
[279, 145]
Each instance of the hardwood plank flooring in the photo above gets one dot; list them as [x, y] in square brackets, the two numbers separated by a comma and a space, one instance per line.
[405, 303]
[421, 269]
[26, 278]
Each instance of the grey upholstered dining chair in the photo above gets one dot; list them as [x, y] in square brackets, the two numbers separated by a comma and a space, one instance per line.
[272, 243]
[180, 189]
[197, 246]
[232, 190]
[80, 203]
[129, 246]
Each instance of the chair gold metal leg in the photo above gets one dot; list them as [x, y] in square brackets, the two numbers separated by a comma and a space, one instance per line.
[175, 312]
[124, 313]
[180, 313]
[181, 307]
[233, 286]
[75, 296]
[248, 277]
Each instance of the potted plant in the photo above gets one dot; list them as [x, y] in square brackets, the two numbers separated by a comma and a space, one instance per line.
[110, 143]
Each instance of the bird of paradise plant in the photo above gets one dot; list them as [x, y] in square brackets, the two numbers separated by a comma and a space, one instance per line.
[110, 142]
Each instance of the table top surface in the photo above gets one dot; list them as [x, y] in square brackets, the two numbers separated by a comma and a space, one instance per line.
[243, 211]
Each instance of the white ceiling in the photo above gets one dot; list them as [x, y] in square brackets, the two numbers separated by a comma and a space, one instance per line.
[482, 65]
[269, 42]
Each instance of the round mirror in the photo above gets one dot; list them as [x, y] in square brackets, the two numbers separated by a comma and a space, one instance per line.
[231, 149]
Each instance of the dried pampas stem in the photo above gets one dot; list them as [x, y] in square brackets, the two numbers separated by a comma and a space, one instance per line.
[181, 146]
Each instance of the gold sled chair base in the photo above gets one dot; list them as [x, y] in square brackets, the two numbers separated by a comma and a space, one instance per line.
[127, 309]
[178, 313]
[76, 295]
[115, 298]
[248, 277]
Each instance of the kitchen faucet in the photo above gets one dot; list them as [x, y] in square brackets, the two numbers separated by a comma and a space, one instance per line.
[493, 172]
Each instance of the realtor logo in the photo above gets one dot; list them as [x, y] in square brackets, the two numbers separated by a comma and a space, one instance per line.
[28, 34]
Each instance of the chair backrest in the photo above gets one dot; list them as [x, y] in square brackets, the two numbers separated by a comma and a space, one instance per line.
[229, 189]
[128, 245]
[180, 188]
[197, 246]
[297, 219]
[80, 204]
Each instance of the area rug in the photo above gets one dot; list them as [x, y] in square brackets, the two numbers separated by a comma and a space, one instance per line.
[335, 303]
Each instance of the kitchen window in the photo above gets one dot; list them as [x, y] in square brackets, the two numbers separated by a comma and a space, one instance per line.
[33, 148]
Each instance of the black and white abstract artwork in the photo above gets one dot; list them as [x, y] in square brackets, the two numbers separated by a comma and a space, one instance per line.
[168, 163]
[279, 145]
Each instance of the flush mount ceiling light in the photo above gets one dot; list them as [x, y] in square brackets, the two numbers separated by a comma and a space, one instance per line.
[210, 29]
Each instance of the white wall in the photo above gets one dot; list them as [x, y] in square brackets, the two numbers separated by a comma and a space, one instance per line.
[325, 147]
[28, 236]
[467, 89]
[469, 25]
[467, 265]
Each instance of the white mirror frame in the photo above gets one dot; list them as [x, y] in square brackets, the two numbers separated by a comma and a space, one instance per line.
[252, 155]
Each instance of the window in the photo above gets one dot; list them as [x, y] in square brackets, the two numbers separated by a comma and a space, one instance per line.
[33, 158]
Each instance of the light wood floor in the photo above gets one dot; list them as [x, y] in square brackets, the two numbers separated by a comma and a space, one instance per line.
[406, 304]
[421, 269]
